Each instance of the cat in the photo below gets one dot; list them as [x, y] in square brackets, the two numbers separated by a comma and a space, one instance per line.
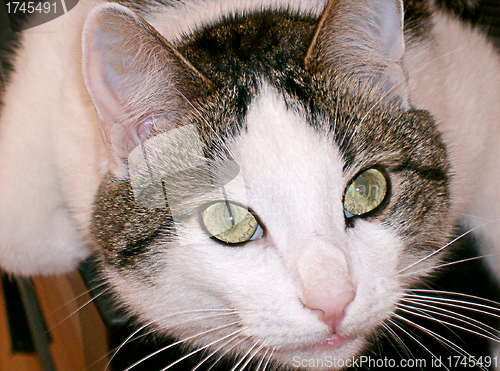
[265, 180]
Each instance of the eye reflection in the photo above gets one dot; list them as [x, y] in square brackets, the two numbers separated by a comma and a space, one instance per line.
[230, 223]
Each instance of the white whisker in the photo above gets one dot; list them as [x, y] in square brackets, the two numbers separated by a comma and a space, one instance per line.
[425, 313]
[450, 263]
[443, 247]
[79, 309]
[226, 352]
[125, 342]
[269, 359]
[423, 67]
[172, 315]
[80, 296]
[251, 358]
[262, 360]
[436, 336]
[200, 349]
[460, 303]
[453, 315]
[180, 342]
[341, 143]
[416, 340]
[475, 217]
[214, 352]
[242, 358]
[398, 339]
[336, 113]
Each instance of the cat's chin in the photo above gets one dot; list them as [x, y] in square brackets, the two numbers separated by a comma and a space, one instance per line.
[333, 353]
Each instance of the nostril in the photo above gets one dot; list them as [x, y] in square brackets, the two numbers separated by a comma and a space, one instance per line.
[337, 311]
[331, 309]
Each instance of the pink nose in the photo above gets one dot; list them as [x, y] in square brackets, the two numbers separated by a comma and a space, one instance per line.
[331, 308]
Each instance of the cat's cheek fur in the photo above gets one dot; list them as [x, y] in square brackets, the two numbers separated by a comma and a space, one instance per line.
[375, 253]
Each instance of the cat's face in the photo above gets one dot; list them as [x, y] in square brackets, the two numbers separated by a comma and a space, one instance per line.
[293, 177]
[277, 217]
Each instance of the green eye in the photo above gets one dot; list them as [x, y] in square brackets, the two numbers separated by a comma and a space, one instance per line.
[230, 223]
[365, 193]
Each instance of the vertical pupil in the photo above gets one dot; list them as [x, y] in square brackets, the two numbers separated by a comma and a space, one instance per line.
[229, 215]
[362, 186]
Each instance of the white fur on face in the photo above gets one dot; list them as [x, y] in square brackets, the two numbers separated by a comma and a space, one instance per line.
[294, 183]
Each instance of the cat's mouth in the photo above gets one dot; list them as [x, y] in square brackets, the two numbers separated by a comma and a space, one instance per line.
[334, 341]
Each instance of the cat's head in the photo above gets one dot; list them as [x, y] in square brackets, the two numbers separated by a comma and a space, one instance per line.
[270, 198]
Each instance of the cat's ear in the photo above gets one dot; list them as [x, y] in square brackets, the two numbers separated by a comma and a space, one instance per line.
[139, 83]
[362, 39]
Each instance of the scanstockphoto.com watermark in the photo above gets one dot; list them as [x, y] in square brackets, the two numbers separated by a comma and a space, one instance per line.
[356, 362]
[445, 363]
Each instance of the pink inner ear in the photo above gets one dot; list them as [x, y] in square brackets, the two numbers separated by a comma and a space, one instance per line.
[105, 100]
[132, 136]
[139, 132]
[390, 20]
[130, 74]
[143, 130]
[112, 74]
